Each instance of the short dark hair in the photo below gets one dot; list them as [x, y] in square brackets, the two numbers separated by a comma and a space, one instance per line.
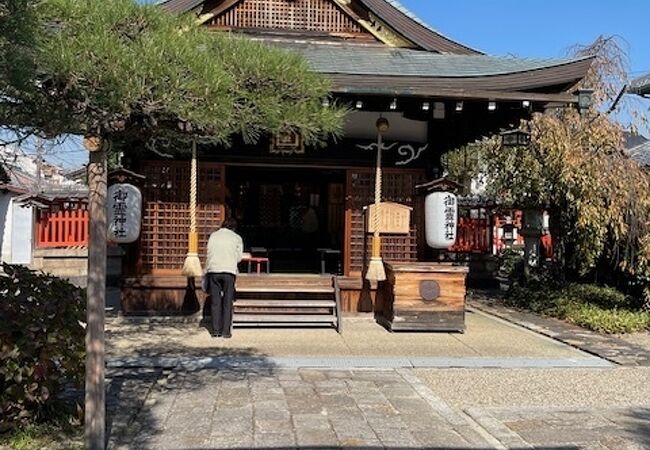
[229, 223]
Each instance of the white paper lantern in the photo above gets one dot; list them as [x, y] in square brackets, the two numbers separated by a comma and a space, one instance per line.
[441, 216]
[124, 213]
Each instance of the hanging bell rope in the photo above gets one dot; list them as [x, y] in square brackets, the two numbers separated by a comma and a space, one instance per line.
[192, 265]
[376, 271]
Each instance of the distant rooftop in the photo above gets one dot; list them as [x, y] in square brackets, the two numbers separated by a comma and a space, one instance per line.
[641, 154]
[641, 85]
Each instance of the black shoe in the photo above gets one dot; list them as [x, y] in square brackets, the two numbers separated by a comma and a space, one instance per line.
[215, 334]
[227, 336]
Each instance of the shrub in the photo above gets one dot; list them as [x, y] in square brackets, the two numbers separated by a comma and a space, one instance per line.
[605, 320]
[511, 264]
[598, 308]
[41, 344]
[597, 295]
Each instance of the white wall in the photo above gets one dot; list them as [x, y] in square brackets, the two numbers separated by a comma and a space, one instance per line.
[22, 234]
[16, 231]
[362, 125]
[5, 227]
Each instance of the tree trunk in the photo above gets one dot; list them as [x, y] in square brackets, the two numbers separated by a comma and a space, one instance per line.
[95, 411]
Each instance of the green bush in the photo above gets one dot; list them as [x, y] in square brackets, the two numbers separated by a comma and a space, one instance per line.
[597, 295]
[511, 264]
[41, 344]
[598, 308]
[605, 320]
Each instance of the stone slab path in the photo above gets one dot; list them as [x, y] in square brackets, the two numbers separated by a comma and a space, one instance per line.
[264, 408]
[286, 409]
[567, 429]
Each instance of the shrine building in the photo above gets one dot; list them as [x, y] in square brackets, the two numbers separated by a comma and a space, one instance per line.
[301, 210]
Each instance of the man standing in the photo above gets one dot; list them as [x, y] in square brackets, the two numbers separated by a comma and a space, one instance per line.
[225, 249]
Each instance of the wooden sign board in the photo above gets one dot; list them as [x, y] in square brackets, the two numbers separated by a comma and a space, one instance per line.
[393, 218]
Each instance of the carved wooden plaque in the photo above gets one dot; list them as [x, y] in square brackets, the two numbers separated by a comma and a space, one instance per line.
[393, 218]
[287, 143]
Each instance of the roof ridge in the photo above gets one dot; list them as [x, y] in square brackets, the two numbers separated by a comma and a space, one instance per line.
[643, 146]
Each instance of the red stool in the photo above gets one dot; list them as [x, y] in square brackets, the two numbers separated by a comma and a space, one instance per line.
[258, 261]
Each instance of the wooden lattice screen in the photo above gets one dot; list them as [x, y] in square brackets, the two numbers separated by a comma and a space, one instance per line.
[399, 187]
[299, 15]
[166, 217]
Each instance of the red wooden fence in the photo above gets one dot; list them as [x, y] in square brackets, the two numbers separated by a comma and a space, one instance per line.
[66, 226]
[473, 236]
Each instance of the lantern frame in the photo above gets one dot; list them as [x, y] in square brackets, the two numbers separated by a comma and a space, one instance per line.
[515, 138]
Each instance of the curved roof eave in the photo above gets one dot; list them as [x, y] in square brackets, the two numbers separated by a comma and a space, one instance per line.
[360, 60]
[417, 31]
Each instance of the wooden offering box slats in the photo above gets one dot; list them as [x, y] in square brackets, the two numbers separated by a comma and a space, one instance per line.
[423, 297]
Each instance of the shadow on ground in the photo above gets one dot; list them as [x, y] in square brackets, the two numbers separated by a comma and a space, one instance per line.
[138, 398]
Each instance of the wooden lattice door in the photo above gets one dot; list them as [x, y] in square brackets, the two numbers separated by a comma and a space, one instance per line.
[398, 186]
[166, 212]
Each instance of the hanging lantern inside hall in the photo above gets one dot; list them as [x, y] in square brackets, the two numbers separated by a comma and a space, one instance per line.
[124, 213]
[441, 216]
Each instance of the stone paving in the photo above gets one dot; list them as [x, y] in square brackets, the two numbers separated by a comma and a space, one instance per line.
[579, 429]
[172, 387]
[341, 409]
[226, 409]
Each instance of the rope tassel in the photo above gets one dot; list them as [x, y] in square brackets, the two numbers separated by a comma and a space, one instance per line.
[192, 266]
[376, 270]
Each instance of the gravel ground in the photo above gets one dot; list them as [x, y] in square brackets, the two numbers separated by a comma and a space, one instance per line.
[547, 388]
[485, 336]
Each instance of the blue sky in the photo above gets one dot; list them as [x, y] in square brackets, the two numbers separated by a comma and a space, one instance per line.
[540, 29]
[523, 28]
[544, 29]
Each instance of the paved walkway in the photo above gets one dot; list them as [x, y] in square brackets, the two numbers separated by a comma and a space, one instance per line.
[498, 386]
[343, 409]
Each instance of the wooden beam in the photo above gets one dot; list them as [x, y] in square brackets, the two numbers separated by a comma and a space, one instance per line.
[460, 94]
[203, 18]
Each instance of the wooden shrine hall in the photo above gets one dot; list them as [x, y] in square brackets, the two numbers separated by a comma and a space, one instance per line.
[301, 210]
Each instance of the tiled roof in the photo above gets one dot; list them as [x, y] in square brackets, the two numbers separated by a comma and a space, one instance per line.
[180, 6]
[359, 60]
[641, 154]
[641, 85]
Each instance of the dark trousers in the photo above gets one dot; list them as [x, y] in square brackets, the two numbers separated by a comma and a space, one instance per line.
[222, 291]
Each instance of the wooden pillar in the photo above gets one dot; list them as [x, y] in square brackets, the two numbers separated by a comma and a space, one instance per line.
[95, 409]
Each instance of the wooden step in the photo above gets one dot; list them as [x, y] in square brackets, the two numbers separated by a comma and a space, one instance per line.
[285, 318]
[286, 300]
[286, 289]
[285, 283]
[255, 303]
